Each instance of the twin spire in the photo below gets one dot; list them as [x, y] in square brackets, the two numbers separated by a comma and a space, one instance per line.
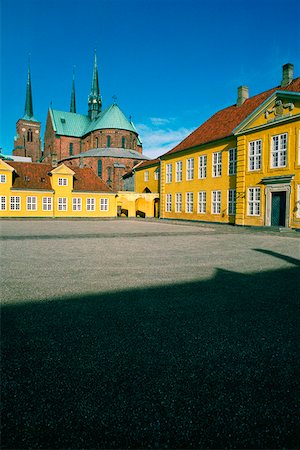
[28, 114]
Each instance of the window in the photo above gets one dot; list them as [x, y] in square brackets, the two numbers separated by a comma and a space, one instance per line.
[298, 201]
[279, 150]
[108, 141]
[168, 202]
[77, 204]
[189, 202]
[47, 204]
[15, 203]
[232, 161]
[99, 168]
[146, 175]
[62, 204]
[179, 171]
[202, 202]
[217, 164]
[216, 202]
[31, 203]
[90, 204]
[231, 201]
[71, 149]
[97, 142]
[190, 169]
[178, 202]
[63, 182]
[123, 142]
[202, 166]
[29, 135]
[254, 162]
[109, 174]
[2, 203]
[169, 173]
[2, 178]
[254, 201]
[103, 204]
[156, 174]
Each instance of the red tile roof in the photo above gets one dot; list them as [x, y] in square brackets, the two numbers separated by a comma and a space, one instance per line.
[222, 124]
[36, 176]
[147, 164]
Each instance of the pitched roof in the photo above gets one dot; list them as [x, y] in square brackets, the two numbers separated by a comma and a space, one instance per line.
[150, 163]
[222, 124]
[68, 123]
[36, 176]
[111, 152]
[111, 117]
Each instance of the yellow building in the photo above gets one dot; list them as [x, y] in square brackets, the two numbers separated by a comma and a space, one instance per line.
[242, 165]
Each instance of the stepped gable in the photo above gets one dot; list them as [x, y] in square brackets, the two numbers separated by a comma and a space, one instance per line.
[222, 124]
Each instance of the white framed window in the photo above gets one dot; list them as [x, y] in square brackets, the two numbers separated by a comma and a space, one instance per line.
[254, 201]
[189, 205]
[169, 173]
[202, 202]
[217, 164]
[47, 203]
[63, 182]
[178, 202]
[231, 201]
[232, 161]
[202, 166]
[298, 201]
[156, 174]
[103, 204]
[168, 202]
[179, 171]
[146, 175]
[254, 158]
[76, 204]
[90, 204]
[190, 169]
[31, 203]
[216, 202]
[279, 150]
[2, 178]
[3, 203]
[62, 204]
[15, 203]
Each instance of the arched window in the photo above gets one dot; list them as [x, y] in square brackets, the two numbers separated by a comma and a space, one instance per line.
[123, 141]
[108, 141]
[100, 168]
[71, 149]
[109, 174]
[29, 135]
[97, 142]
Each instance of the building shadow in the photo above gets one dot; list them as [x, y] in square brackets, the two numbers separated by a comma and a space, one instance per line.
[208, 364]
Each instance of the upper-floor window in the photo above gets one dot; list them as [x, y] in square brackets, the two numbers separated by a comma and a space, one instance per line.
[146, 175]
[15, 203]
[254, 201]
[178, 202]
[2, 203]
[31, 203]
[217, 164]
[97, 142]
[63, 182]
[109, 174]
[190, 169]
[255, 151]
[99, 168]
[231, 201]
[71, 149]
[168, 202]
[29, 135]
[169, 173]
[2, 178]
[202, 166]
[232, 161]
[189, 206]
[279, 150]
[108, 141]
[156, 174]
[103, 204]
[123, 141]
[179, 171]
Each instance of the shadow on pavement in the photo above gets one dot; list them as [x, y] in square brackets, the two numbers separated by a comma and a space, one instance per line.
[210, 364]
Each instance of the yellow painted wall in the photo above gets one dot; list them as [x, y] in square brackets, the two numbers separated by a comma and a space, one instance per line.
[152, 183]
[133, 201]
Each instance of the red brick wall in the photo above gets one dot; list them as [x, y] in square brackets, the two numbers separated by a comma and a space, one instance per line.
[29, 146]
[116, 136]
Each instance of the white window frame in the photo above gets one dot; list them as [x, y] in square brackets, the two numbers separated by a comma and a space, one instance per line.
[2, 178]
[190, 169]
[254, 155]
[31, 203]
[178, 202]
[231, 202]
[156, 174]
[47, 203]
[146, 175]
[90, 204]
[15, 203]
[279, 150]
[253, 201]
[169, 173]
[202, 170]
[104, 204]
[189, 202]
[216, 202]
[201, 202]
[168, 202]
[217, 164]
[3, 204]
[178, 175]
[76, 204]
[232, 160]
[62, 204]
[63, 182]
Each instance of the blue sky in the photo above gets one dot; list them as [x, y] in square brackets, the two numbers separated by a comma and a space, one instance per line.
[171, 63]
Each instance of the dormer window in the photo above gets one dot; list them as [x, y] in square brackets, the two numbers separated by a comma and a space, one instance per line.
[62, 120]
[63, 182]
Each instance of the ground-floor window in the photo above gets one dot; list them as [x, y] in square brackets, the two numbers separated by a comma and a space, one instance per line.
[103, 204]
[168, 202]
[62, 204]
[216, 202]
[189, 202]
[231, 201]
[254, 201]
[15, 203]
[202, 202]
[77, 204]
[178, 202]
[31, 203]
[2, 203]
[90, 204]
[47, 204]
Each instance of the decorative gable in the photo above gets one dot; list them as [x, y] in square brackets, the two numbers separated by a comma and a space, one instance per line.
[62, 169]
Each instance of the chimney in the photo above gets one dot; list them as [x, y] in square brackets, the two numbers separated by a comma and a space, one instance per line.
[54, 159]
[243, 94]
[287, 74]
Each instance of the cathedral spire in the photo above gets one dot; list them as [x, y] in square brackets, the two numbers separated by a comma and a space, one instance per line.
[94, 99]
[28, 114]
[73, 99]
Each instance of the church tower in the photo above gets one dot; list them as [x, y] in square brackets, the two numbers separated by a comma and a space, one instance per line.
[27, 141]
[73, 99]
[94, 99]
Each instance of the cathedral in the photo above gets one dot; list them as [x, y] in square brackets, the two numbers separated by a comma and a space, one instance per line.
[104, 139]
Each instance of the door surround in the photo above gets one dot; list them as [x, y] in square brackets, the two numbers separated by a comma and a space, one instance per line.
[268, 202]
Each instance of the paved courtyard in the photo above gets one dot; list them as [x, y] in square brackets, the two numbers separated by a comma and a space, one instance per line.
[148, 334]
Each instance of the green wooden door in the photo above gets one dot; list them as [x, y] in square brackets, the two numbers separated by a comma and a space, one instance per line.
[278, 209]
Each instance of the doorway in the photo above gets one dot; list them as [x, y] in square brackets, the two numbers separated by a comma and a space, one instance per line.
[278, 209]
